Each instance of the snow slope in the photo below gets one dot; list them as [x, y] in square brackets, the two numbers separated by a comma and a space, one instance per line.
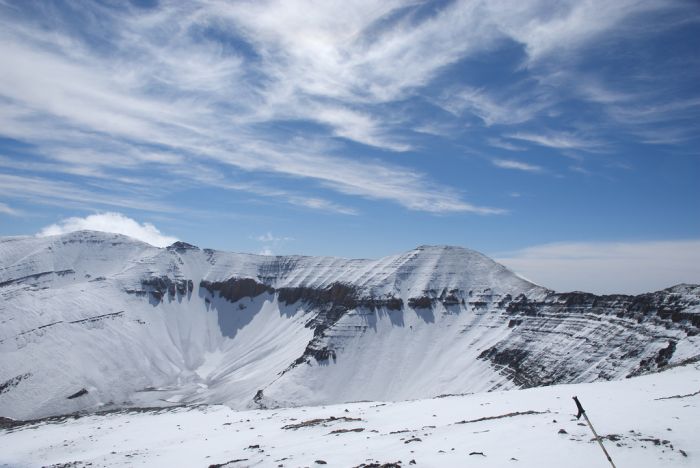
[91, 320]
[647, 421]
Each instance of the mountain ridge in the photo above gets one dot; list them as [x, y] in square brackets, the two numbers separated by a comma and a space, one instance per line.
[136, 325]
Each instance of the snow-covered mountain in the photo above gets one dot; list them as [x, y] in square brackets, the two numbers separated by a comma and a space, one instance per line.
[92, 320]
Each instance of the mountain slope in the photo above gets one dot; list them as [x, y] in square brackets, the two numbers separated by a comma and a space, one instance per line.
[90, 320]
[648, 421]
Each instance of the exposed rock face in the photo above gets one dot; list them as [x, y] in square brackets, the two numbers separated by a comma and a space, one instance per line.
[13, 382]
[189, 325]
[601, 334]
[235, 289]
[453, 297]
[159, 286]
[181, 247]
[330, 304]
[78, 394]
[559, 338]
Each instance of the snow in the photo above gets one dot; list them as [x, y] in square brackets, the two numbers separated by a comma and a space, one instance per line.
[427, 354]
[648, 421]
[67, 323]
[74, 316]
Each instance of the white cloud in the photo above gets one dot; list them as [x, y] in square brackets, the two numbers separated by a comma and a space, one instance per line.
[558, 140]
[647, 112]
[8, 210]
[41, 190]
[110, 222]
[516, 107]
[89, 99]
[205, 175]
[446, 130]
[271, 242]
[608, 267]
[357, 126]
[337, 49]
[166, 84]
[517, 165]
[321, 204]
[499, 143]
[269, 237]
[545, 28]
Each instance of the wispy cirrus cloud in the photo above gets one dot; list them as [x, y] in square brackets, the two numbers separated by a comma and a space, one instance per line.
[277, 89]
[48, 192]
[558, 140]
[644, 112]
[545, 29]
[358, 127]
[8, 210]
[61, 94]
[517, 165]
[504, 144]
[509, 108]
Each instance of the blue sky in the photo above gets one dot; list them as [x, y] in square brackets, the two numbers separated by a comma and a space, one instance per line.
[523, 129]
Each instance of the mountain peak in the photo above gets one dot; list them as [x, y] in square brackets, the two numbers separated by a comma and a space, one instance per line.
[181, 246]
[93, 236]
[444, 247]
[451, 250]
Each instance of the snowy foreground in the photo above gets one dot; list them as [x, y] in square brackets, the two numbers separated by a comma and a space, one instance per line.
[648, 421]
